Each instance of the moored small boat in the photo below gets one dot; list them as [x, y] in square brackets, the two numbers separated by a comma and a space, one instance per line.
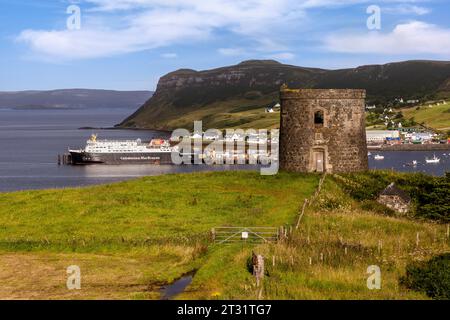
[433, 160]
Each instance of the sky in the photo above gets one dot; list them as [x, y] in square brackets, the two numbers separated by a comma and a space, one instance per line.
[129, 44]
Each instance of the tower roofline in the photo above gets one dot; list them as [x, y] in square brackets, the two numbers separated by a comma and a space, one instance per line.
[286, 93]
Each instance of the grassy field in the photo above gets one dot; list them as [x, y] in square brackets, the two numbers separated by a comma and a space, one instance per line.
[245, 114]
[132, 237]
[437, 117]
[328, 257]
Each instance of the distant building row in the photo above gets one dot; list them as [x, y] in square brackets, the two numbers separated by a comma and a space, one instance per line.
[397, 136]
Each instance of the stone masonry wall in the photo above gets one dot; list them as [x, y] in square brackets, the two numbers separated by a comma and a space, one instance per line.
[395, 203]
[341, 139]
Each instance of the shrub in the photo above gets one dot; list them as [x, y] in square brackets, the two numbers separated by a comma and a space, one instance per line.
[374, 206]
[431, 277]
[430, 195]
[331, 202]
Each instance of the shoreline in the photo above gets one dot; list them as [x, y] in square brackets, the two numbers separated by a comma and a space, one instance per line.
[120, 128]
[410, 147]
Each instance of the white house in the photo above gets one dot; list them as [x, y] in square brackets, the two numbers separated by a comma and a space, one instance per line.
[422, 136]
[380, 136]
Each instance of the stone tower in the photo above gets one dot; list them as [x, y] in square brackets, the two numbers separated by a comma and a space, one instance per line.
[323, 130]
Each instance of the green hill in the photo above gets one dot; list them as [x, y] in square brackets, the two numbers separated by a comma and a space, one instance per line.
[434, 116]
[214, 95]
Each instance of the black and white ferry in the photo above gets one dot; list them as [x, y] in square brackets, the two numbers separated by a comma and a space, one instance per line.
[157, 151]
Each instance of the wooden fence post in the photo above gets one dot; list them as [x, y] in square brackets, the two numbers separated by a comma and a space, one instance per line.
[258, 268]
[301, 213]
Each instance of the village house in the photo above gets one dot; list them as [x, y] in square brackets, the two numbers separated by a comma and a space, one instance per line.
[274, 106]
[382, 136]
[395, 199]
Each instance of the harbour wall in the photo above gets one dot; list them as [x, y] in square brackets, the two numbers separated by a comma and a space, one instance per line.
[411, 147]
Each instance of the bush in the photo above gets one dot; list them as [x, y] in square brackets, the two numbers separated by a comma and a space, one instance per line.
[430, 195]
[431, 277]
[374, 206]
[330, 202]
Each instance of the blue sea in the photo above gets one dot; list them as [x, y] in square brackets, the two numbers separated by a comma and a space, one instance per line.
[30, 141]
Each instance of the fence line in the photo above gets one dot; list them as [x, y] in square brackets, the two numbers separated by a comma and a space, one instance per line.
[245, 234]
[308, 202]
[262, 234]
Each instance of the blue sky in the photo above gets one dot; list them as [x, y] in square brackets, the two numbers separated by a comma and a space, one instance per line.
[129, 44]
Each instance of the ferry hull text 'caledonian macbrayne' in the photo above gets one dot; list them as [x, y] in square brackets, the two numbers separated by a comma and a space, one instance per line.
[123, 152]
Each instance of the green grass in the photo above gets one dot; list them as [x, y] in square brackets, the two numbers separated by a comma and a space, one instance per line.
[437, 117]
[234, 113]
[132, 237]
[165, 208]
[327, 258]
[250, 114]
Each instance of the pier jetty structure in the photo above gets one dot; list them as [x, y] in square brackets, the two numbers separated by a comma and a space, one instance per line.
[323, 130]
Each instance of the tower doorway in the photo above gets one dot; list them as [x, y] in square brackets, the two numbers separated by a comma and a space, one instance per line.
[318, 161]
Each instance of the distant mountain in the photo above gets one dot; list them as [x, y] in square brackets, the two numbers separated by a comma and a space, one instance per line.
[234, 96]
[73, 99]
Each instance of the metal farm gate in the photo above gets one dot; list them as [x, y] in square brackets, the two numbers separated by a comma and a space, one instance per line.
[245, 234]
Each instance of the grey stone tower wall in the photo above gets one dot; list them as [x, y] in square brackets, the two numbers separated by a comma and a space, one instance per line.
[341, 140]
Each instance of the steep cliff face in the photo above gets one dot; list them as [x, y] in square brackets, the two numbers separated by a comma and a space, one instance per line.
[218, 96]
[235, 96]
[248, 77]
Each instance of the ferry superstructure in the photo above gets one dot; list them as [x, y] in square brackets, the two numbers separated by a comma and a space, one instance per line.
[157, 151]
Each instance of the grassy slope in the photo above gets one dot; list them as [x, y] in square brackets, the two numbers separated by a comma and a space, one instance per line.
[437, 117]
[247, 114]
[333, 224]
[121, 235]
[237, 113]
[130, 237]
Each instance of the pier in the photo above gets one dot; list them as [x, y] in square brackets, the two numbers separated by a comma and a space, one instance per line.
[64, 159]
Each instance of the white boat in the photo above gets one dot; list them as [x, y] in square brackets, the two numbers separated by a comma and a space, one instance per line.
[414, 163]
[378, 157]
[369, 153]
[433, 160]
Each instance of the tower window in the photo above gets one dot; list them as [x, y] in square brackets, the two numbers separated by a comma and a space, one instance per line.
[318, 119]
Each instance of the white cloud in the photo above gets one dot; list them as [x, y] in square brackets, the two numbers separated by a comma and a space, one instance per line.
[169, 55]
[112, 27]
[231, 51]
[406, 9]
[156, 23]
[415, 37]
[283, 56]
